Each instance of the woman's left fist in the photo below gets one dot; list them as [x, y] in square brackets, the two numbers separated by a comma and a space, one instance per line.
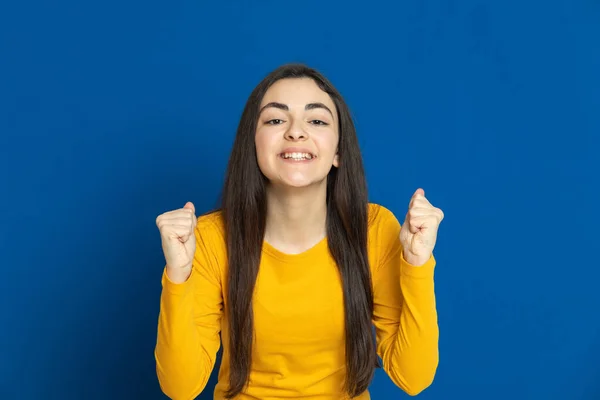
[419, 231]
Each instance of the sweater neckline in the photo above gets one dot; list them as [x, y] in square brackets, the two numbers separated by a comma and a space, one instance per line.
[295, 258]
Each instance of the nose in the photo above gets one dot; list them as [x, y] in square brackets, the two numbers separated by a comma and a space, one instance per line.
[296, 131]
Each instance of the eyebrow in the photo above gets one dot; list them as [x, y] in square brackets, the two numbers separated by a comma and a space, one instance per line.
[309, 106]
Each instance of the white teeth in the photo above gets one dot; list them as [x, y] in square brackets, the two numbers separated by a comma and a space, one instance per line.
[298, 156]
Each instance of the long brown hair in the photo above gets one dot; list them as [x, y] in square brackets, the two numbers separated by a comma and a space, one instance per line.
[244, 210]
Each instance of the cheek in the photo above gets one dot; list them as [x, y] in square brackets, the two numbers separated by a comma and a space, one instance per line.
[328, 144]
[263, 145]
[260, 142]
[334, 149]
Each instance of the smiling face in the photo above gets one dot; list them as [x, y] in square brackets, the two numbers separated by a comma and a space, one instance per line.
[297, 133]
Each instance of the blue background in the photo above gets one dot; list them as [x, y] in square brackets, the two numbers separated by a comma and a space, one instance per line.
[114, 112]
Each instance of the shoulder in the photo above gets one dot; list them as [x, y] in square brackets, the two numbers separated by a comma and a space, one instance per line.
[211, 224]
[383, 236]
[382, 218]
[211, 246]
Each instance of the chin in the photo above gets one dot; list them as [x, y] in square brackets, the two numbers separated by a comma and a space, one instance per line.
[299, 183]
[295, 184]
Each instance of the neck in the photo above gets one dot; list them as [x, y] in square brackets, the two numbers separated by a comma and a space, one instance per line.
[296, 217]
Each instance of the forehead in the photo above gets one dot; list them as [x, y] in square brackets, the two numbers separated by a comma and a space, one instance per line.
[297, 92]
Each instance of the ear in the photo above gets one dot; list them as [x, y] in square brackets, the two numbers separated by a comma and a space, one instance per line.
[336, 160]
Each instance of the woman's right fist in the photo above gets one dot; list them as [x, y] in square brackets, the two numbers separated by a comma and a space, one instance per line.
[178, 240]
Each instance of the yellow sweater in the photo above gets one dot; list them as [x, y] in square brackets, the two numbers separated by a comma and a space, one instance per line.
[298, 319]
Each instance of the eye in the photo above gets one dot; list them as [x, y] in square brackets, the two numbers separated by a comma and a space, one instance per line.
[318, 122]
[275, 121]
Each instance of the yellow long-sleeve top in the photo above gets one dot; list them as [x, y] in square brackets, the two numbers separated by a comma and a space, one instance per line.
[298, 319]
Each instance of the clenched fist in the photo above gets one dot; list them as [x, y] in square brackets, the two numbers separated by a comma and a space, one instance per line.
[419, 231]
[178, 241]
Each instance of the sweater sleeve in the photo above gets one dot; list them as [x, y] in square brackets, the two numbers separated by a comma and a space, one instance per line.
[189, 325]
[405, 315]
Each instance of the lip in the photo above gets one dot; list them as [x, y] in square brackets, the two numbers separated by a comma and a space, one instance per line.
[298, 150]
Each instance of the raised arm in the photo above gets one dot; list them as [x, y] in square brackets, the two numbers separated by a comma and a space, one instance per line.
[190, 321]
[405, 315]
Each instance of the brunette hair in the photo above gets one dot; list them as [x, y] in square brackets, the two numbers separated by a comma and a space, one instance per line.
[244, 209]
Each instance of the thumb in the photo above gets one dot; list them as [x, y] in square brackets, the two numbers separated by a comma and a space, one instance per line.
[190, 206]
[419, 192]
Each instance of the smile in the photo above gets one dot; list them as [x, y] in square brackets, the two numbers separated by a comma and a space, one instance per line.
[297, 156]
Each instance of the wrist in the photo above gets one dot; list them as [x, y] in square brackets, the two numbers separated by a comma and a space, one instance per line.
[178, 275]
[415, 260]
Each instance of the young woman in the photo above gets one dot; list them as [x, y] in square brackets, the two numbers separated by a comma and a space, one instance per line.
[296, 267]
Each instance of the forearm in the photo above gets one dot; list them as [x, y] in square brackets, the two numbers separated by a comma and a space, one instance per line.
[412, 358]
[183, 366]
